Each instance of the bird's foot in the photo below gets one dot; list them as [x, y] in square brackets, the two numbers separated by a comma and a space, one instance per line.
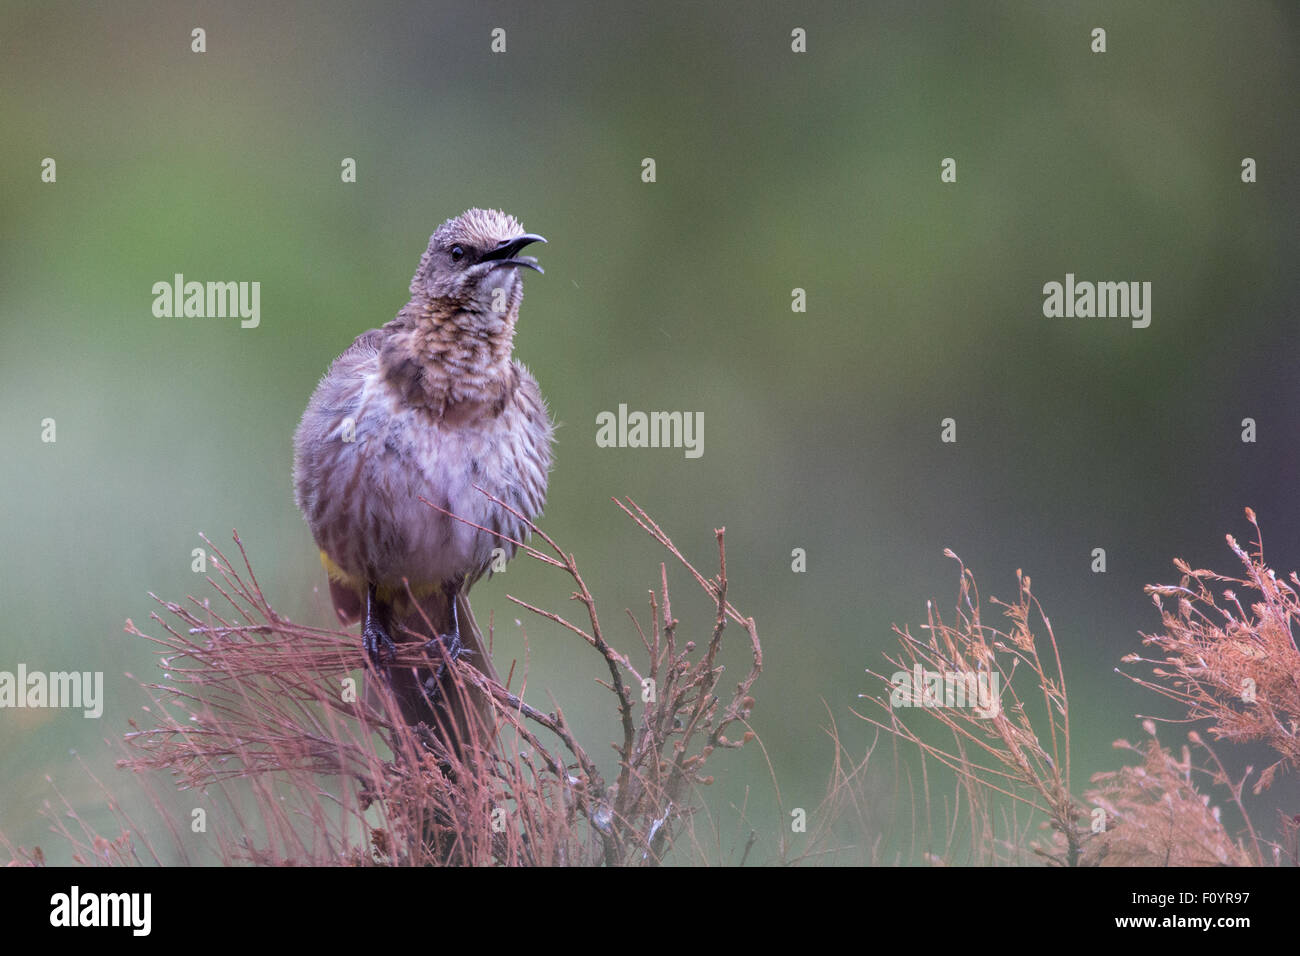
[374, 632]
[380, 648]
[449, 647]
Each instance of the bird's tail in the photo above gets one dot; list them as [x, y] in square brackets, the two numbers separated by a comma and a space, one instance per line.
[458, 712]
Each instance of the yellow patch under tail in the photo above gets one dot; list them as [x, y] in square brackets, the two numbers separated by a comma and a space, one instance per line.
[388, 593]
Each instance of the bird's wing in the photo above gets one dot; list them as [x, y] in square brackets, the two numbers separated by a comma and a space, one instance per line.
[342, 384]
[337, 396]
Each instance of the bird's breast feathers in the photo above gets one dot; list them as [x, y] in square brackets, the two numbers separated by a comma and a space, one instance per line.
[386, 455]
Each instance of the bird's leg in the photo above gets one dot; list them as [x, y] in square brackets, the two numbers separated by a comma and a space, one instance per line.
[374, 633]
[449, 645]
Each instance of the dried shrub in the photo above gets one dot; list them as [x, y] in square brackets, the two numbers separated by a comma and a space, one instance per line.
[1000, 753]
[1154, 815]
[1231, 662]
[258, 718]
[1232, 659]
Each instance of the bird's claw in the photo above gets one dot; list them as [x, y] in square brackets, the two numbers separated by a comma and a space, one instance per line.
[380, 648]
[449, 647]
[375, 638]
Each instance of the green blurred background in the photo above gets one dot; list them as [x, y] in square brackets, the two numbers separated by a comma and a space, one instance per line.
[775, 170]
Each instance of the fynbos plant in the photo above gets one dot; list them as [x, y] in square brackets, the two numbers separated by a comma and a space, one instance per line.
[289, 761]
[1230, 659]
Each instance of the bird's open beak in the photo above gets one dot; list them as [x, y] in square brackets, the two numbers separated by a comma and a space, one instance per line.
[506, 253]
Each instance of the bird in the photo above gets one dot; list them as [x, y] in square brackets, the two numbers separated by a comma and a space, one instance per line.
[433, 406]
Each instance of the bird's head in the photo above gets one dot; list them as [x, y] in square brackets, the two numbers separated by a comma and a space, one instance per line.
[471, 269]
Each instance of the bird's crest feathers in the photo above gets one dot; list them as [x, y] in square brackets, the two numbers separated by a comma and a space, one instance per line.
[480, 228]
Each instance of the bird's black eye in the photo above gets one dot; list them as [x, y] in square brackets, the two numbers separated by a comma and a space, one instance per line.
[457, 252]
